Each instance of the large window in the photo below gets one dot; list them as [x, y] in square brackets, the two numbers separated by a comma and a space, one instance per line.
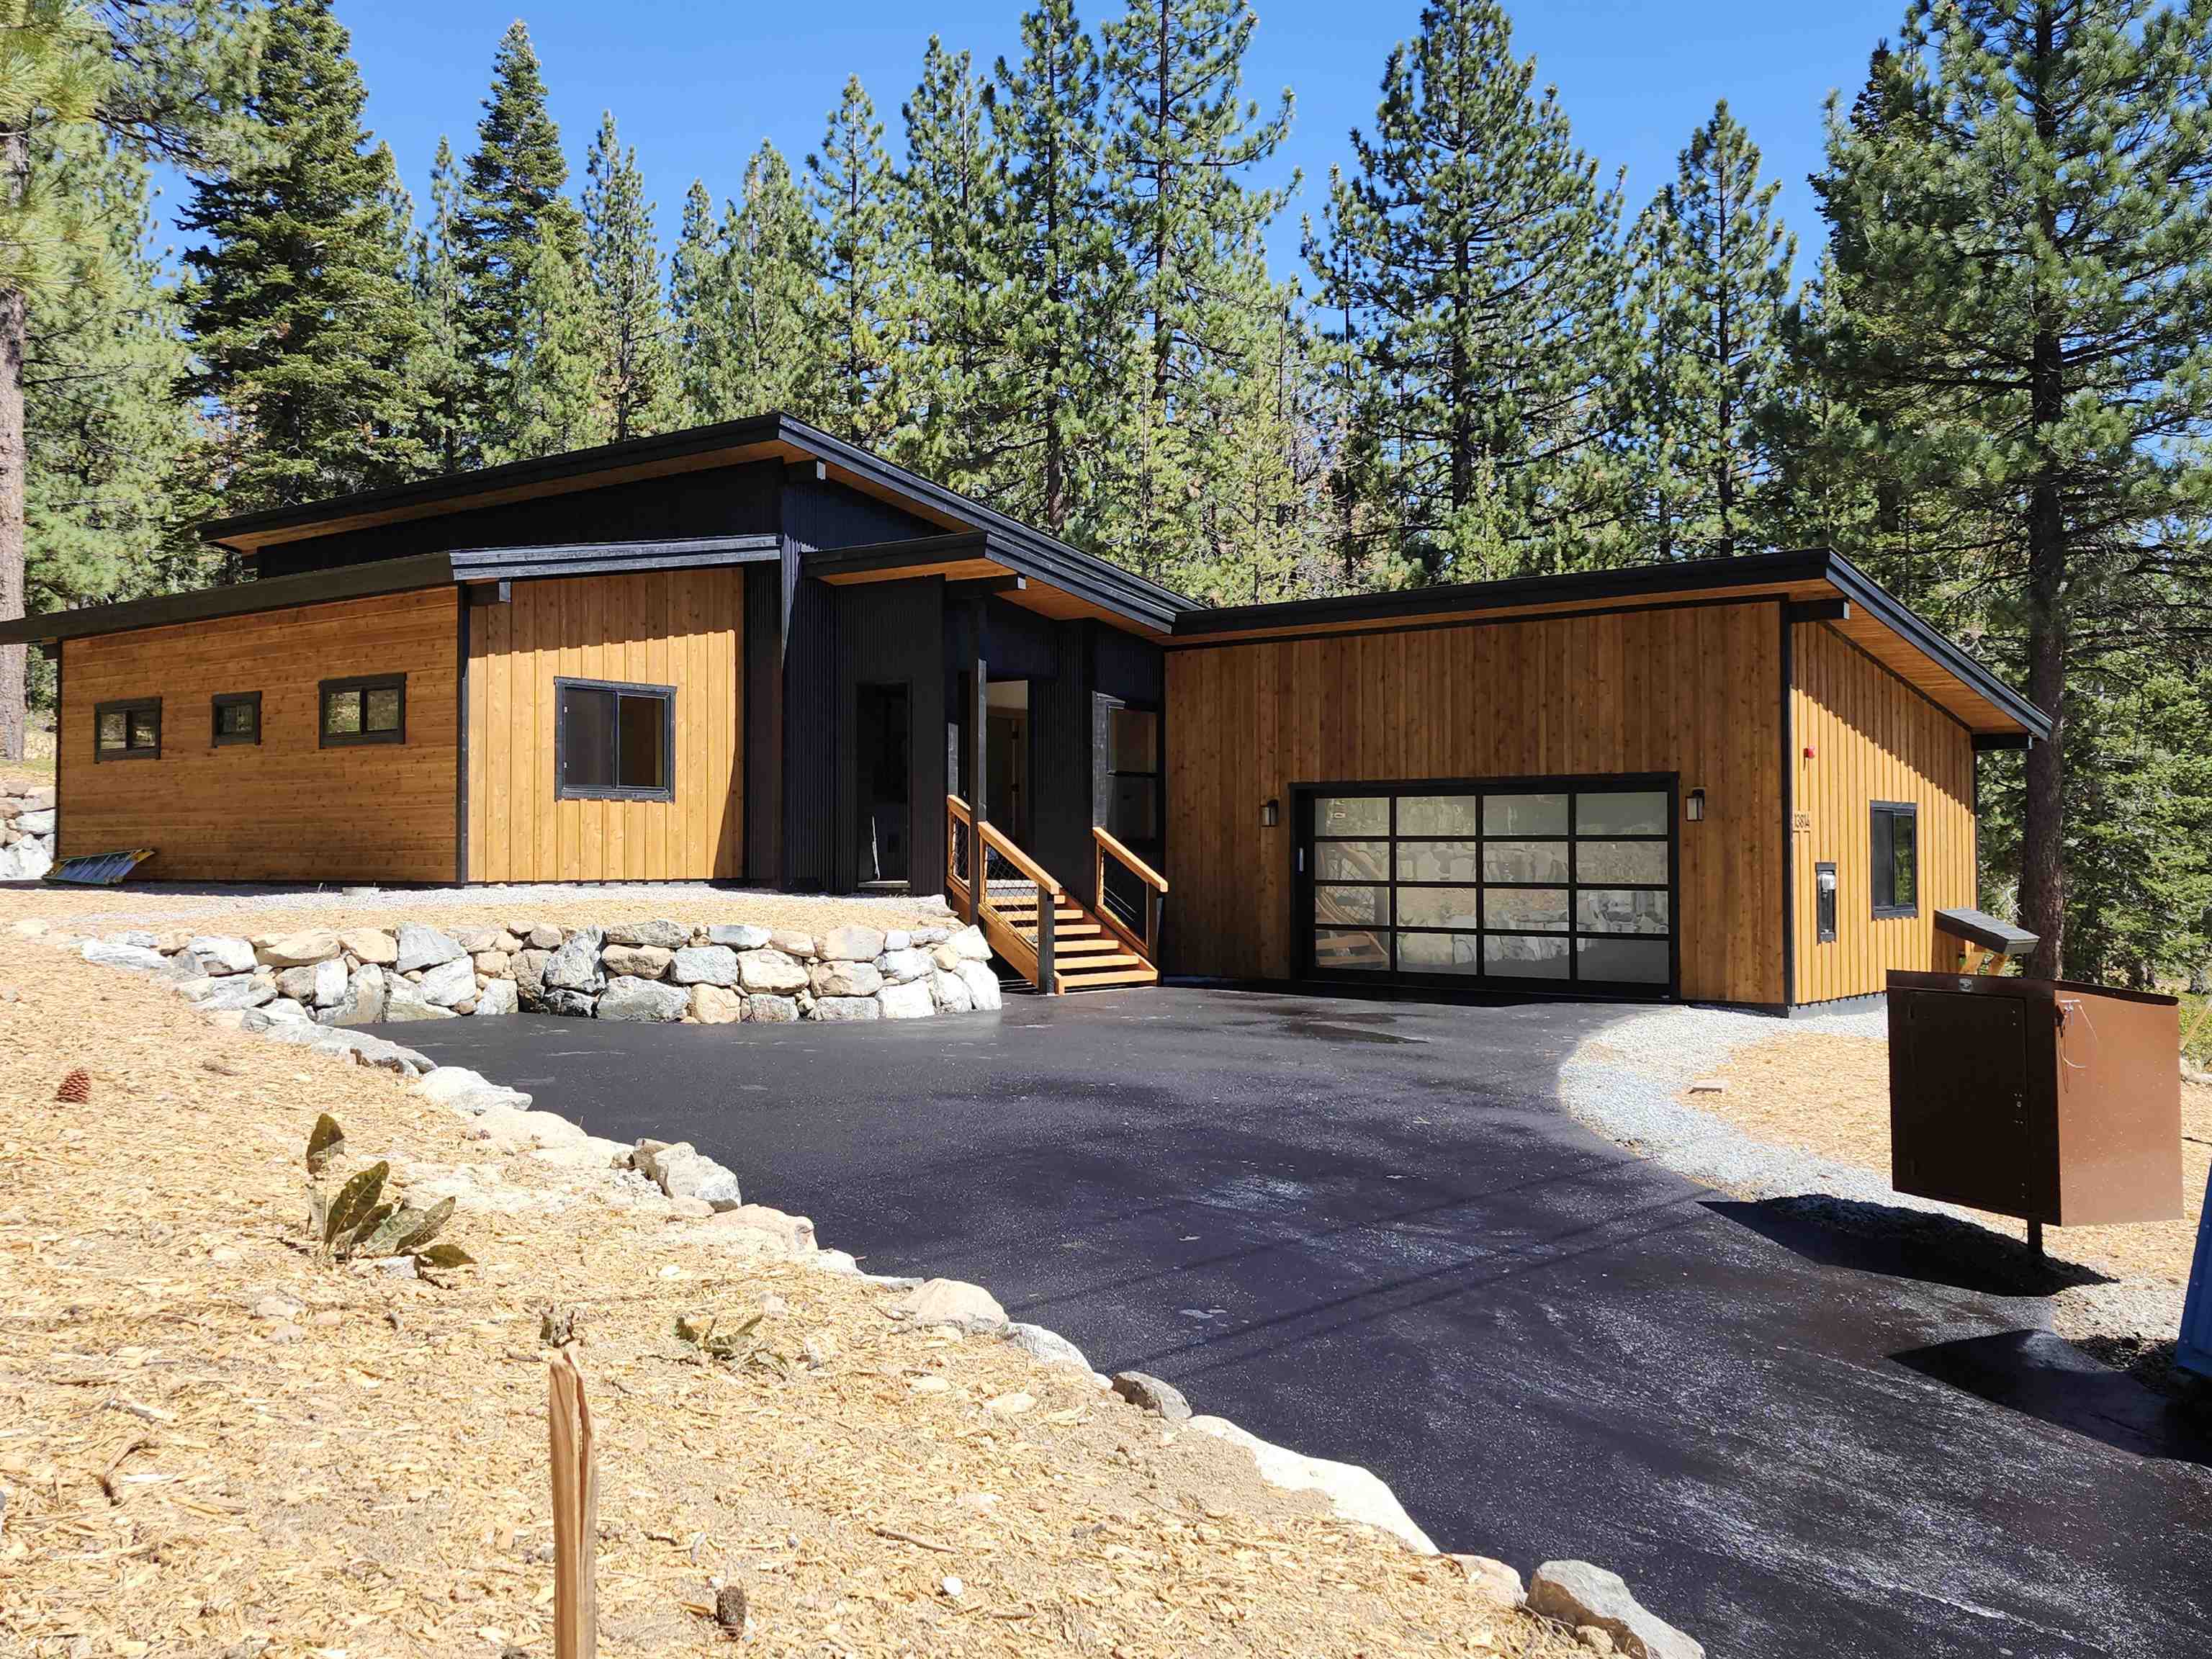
[367, 708]
[615, 742]
[237, 717]
[130, 729]
[1129, 804]
[1896, 858]
[1520, 882]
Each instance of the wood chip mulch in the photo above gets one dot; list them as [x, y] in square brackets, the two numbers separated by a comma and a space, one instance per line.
[211, 1443]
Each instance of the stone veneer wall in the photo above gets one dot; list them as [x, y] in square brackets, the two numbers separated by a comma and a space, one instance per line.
[649, 970]
[26, 832]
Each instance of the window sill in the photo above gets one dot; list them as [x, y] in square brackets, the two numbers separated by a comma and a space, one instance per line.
[666, 795]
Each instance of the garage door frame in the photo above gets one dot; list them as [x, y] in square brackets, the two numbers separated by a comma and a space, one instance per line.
[1303, 795]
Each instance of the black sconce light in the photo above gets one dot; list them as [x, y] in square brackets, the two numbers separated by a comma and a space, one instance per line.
[1695, 806]
[1270, 813]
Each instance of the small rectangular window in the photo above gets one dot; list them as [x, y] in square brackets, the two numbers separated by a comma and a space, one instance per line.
[369, 709]
[237, 717]
[127, 730]
[1896, 858]
[613, 741]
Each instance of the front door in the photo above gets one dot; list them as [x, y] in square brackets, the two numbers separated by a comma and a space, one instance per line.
[1565, 884]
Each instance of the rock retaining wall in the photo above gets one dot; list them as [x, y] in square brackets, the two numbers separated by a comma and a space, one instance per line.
[26, 832]
[660, 971]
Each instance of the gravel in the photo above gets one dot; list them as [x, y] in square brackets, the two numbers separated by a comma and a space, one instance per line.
[1623, 1083]
[169, 902]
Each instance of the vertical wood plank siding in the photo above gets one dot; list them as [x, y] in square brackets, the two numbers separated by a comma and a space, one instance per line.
[1874, 738]
[679, 627]
[284, 809]
[1694, 691]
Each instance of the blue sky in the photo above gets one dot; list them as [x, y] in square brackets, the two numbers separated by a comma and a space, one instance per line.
[696, 85]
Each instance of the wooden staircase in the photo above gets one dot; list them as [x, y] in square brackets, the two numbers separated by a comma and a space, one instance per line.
[1070, 946]
[1086, 955]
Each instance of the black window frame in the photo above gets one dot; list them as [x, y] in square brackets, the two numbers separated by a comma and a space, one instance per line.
[125, 706]
[1108, 772]
[1882, 878]
[219, 738]
[1306, 879]
[364, 683]
[667, 792]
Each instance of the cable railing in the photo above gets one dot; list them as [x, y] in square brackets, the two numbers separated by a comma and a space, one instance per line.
[1018, 898]
[1131, 894]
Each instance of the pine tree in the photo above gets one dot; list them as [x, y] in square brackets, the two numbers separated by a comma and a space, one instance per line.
[953, 205]
[1185, 139]
[862, 309]
[1062, 381]
[160, 79]
[446, 370]
[1478, 254]
[772, 281]
[510, 205]
[700, 306]
[636, 369]
[298, 308]
[112, 447]
[2020, 235]
[1712, 276]
[557, 397]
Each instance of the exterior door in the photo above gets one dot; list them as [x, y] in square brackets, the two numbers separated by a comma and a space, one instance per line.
[1526, 885]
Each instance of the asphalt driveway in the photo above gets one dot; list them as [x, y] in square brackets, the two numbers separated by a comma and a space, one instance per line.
[1366, 1230]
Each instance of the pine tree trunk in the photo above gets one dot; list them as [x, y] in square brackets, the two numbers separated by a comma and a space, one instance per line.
[2042, 877]
[15, 161]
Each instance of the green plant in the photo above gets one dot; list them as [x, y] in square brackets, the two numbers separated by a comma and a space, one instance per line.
[359, 1221]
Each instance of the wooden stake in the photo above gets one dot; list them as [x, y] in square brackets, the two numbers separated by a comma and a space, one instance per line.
[575, 1511]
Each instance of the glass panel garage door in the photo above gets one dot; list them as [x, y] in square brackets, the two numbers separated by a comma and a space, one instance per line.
[1514, 885]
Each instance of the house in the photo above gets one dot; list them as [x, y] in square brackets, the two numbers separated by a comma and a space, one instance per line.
[752, 653]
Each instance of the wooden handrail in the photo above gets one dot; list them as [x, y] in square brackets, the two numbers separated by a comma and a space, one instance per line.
[1021, 860]
[1138, 868]
[958, 808]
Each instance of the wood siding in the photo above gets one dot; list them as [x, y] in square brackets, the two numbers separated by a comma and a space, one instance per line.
[1693, 691]
[679, 627]
[1874, 737]
[285, 809]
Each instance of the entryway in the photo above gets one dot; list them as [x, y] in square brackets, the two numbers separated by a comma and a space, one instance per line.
[1514, 884]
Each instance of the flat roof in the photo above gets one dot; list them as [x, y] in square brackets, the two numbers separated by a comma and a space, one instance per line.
[1886, 627]
[973, 542]
[772, 436]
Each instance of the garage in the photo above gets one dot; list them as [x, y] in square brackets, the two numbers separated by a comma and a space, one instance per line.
[1513, 883]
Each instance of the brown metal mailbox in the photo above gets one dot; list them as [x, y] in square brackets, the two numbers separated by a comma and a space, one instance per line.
[2039, 1098]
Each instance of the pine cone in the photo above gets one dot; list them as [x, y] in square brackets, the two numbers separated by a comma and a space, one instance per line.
[77, 1088]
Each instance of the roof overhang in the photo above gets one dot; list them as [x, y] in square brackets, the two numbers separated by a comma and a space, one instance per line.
[1870, 618]
[380, 576]
[1062, 588]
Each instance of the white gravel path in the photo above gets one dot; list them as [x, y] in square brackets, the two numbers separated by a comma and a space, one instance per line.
[1623, 1082]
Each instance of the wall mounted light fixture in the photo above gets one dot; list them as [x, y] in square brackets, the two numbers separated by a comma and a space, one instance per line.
[1695, 806]
[1270, 813]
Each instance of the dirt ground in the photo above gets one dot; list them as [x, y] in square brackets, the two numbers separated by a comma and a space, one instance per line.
[1829, 1095]
[364, 1472]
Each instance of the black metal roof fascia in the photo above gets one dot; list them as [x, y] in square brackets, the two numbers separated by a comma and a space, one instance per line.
[1036, 554]
[510, 475]
[596, 558]
[1855, 585]
[867, 557]
[1629, 581]
[351, 582]
[1019, 558]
